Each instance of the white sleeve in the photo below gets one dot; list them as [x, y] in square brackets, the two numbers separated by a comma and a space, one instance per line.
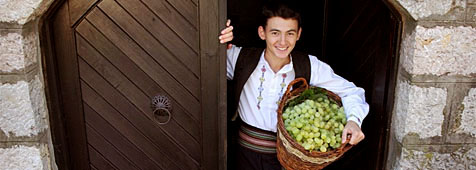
[231, 58]
[353, 97]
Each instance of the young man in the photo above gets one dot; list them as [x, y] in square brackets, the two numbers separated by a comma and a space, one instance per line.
[270, 71]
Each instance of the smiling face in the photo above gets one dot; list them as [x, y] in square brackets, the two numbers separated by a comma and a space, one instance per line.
[281, 36]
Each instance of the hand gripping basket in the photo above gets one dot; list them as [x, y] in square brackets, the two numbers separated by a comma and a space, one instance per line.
[291, 154]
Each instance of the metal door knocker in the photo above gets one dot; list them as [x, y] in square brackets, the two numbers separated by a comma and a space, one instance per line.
[161, 109]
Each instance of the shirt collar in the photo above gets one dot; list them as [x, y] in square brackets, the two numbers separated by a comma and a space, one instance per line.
[286, 68]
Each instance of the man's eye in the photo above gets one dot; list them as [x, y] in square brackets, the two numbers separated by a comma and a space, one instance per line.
[274, 33]
[291, 34]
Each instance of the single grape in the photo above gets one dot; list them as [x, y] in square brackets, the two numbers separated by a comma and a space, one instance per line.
[323, 149]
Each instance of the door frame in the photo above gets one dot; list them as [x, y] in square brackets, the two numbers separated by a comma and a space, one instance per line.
[212, 18]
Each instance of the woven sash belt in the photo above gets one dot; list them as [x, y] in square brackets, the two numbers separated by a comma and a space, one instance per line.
[256, 139]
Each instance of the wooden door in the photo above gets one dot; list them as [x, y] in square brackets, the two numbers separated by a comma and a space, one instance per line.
[109, 58]
[361, 40]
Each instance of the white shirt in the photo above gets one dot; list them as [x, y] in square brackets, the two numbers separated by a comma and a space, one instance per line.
[260, 96]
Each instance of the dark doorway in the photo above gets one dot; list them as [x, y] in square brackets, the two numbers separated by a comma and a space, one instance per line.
[358, 39]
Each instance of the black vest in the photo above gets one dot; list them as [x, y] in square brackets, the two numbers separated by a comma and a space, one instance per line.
[245, 65]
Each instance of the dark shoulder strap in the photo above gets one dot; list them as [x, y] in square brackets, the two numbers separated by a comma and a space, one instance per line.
[302, 66]
[246, 63]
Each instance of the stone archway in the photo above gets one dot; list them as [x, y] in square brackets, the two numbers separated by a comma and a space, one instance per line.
[25, 138]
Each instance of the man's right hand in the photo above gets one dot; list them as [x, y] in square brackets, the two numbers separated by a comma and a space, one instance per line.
[226, 34]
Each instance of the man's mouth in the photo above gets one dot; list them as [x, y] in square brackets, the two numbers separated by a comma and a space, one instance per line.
[282, 49]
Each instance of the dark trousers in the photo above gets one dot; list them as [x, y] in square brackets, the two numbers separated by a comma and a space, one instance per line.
[251, 160]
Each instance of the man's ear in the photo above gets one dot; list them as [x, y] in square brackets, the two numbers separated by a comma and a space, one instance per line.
[299, 33]
[261, 33]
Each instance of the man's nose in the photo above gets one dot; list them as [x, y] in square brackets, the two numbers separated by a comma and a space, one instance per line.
[282, 40]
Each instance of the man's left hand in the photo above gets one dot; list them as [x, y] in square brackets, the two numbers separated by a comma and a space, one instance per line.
[351, 128]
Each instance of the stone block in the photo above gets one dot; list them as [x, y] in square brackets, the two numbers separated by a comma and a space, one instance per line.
[471, 14]
[462, 128]
[440, 51]
[419, 113]
[23, 157]
[22, 108]
[19, 50]
[437, 158]
[468, 117]
[22, 11]
[435, 9]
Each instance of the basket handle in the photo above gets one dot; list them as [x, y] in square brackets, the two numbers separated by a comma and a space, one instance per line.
[345, 143]
[297, 80]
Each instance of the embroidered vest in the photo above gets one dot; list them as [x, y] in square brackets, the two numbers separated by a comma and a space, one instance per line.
[245, 65]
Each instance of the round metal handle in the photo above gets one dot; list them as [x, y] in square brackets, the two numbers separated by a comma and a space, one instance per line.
[161, 108]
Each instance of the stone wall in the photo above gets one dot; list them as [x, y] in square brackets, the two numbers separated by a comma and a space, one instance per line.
[25, 140]
[433, 122]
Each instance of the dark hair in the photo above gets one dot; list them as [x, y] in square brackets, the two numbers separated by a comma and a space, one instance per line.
[279, 8]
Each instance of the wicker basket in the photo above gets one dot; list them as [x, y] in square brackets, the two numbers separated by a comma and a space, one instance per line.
[291, 154]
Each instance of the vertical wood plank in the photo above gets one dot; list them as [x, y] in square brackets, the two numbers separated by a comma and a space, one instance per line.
[52, 91]
[222, 85]
[78, 8]
[69, 79]
[212, 16]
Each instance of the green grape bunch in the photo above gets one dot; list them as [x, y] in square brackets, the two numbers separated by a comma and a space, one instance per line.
[314, 120]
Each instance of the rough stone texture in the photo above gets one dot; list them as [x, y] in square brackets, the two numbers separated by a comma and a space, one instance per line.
[461, 159]
[22, 11]
[22, 108]
[468, 117]
[471, 13]
[424, 8]
[419, 111]
[440, 51]
[21, 158]
[18, 50]
[407, 51]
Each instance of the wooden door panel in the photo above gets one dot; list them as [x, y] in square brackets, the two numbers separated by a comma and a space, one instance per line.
[181, 121]
[150, 47]
[168, 14]
[111, 58]
[114, 119]
[138, 100]
[98, 161]
[135, 72]
[161, 31]
[131, 151]
[107, 101]
[134, 52]
[107, 150]
[78, 8]
[189, 10]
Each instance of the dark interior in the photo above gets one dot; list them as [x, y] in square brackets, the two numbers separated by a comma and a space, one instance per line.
[358, 39]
